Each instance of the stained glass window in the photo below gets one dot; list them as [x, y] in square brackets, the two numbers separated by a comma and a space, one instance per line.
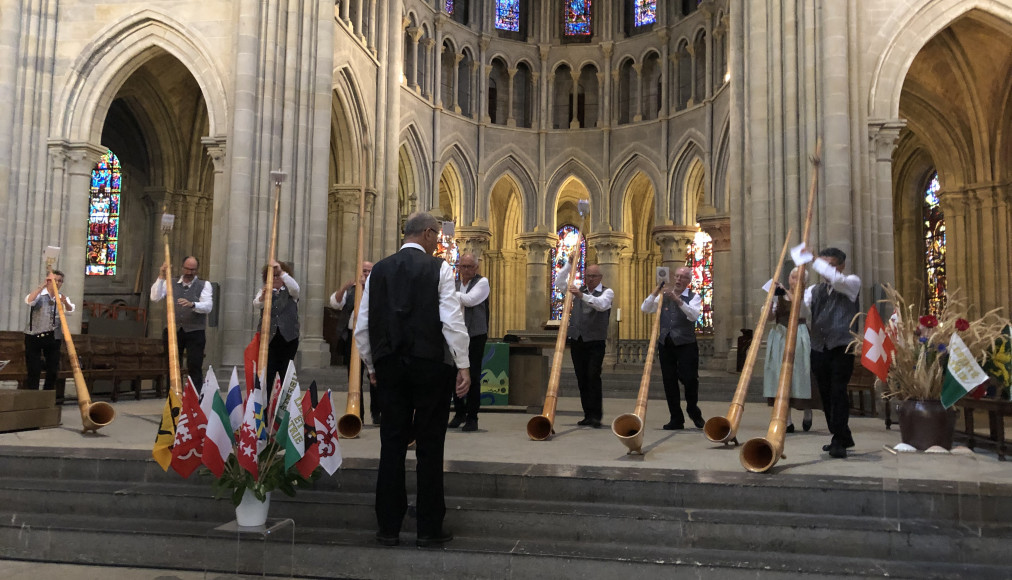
[700, 259]
[507, 15]
[103, 217]
[934, 247]
[449, 6]
[577, 18]
[569, 237]
[447, 250]
[644, 12]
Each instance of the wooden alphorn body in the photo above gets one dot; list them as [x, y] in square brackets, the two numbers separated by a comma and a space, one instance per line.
[350, 424]
[268, 293]
[725, 429]
[628, 427]
[762, 453]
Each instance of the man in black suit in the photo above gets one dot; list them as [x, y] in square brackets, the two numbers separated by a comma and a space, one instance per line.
[411, 336]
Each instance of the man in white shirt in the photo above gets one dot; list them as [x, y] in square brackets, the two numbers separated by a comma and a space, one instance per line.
[411, 336]
[344, 300]
[586, 336]
[472, 291]
[194, 299]
[44, 334]
[833, 304]
[677, 347]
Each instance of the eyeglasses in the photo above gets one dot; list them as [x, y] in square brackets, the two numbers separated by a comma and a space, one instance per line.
[468, 266]
[432, 230]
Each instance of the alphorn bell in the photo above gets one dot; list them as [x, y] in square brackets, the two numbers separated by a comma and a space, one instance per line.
[94, 416]
[762, 453]
[725, 429]
[350, 424]
[628, 427]
[278, 177]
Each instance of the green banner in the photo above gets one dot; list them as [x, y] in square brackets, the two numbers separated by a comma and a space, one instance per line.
[495, 379]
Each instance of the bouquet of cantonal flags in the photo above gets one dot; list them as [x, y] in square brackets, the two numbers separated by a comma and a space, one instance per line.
[247, 444]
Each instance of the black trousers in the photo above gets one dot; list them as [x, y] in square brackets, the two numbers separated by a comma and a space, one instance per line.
[832, 369]
[38, 347]
[279, 353]
[415, 392]
[588, 358]
[680, 364]
[375, 407]
[193, 344]
[469, 404]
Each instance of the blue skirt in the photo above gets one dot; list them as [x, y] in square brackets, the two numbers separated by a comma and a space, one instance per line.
[801, 380]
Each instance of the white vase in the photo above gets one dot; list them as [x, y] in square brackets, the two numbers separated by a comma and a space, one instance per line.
[252, 512]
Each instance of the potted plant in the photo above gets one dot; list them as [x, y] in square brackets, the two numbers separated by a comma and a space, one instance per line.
[920, 358]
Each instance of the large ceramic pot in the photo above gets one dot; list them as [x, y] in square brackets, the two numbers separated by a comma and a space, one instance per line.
[252, 512]
[926, 423]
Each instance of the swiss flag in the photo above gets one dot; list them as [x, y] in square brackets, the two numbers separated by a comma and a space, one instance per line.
[878, 349]
[189, 442]
[249, 362]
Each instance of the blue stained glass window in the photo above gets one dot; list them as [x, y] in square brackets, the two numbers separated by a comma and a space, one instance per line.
[644, 12]
[934, 247]
[569, 237]
[449, 6]
[103, 217]
[507, 15]
[447, 250]
[578, 18]
[700, 258]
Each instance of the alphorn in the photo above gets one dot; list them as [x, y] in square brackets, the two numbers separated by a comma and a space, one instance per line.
[628, 427]
[539, 427]
[350, 424]
[725, 429]
[94, 416]
[175, 380]
[762, 453]
[268, 295]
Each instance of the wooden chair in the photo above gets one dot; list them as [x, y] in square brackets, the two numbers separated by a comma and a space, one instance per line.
[862, 382]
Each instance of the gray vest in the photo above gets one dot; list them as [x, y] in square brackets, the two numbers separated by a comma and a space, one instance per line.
[45, 318]
[674, 324]
[475, 317]
[587, 323]
[831, 315]
[189, 319]
[284, 315]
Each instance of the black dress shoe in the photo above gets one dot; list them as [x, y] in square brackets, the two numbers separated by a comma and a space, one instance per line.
[376, 419]
[837, 451]
[436, 540]
[584, 422]
[806, 425]
[673, 427]
[846, 445]
[457, 421]
[595, 424]
[387, 539]
[470, 425]
[698, 422]
[790, 428]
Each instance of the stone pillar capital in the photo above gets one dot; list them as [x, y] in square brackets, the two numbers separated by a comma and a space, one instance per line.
[610, 246]
[674, 242]
[82, 157]
[662, 34]
[216, 150]
[537, 245]
[884, 133]
[512, 71]
[457, 58]
[473, 240]
[607, 48]
[486, 40]
[428, 43]
[719, 229]
[543, 50]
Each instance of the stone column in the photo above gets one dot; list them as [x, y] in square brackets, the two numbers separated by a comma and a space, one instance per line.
[535, 92]
[638, 99]
[574, 119]
[486, 115]
[373, 18]
[605, 115]
[437, 75]
[414, 33]
[347, 208]
[610, 247]
[691, 49]
[510, 121]
[673, 59]
[82, 158]
[455, 85]
[719, 229]
[473, 240]
[537, 245]
[835, 220]
[662, 35]
[477, 89]
[358, 18]
[427, 44]
[674, 242]
[879, 258]
[345, 11]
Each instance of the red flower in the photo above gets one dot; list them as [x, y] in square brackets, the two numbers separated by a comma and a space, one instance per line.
[962, 324]
[928, 321]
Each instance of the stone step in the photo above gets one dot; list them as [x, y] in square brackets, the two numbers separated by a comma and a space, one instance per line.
[328, 553]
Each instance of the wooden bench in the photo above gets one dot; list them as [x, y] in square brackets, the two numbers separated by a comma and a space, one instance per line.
[997, 410]
[862, 382]
[102, 358]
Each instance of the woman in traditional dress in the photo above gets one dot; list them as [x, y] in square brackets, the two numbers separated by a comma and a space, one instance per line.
[801, 380]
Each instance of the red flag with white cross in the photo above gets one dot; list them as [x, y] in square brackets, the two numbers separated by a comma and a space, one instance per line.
[878, 349]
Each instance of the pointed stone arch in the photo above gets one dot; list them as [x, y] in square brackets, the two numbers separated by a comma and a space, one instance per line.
[636, 165]
[115, 54]
[504, 263]
[350, 132]
[681, 204]
[465, 192]
[412, 171]
[574, 168]
[511, 167]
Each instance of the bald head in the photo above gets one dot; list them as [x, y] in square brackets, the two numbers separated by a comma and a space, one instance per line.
[467, 265]
[682, 279]
[593, 276]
